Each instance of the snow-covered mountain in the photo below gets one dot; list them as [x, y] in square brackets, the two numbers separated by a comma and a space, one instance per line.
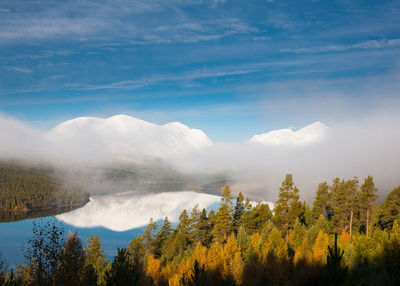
[309, 134]
[126, 137]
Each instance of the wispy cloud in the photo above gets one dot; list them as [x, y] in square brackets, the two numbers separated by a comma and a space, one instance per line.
[366, 45]
[135, 23]
[176, 78]
[21, 69]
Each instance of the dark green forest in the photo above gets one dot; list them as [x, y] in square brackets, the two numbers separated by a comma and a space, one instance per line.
[35, 189]
[344, 238]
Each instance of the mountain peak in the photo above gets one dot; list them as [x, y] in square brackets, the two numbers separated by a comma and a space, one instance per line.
[126, 136]
[306, 135]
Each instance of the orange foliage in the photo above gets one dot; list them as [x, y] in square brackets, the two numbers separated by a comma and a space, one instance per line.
[320, 248]
[153, 269]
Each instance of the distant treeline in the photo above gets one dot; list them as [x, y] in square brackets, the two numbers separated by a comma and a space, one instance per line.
[34, 189]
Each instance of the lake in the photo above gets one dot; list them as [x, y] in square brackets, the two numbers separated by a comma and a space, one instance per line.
[116, 219]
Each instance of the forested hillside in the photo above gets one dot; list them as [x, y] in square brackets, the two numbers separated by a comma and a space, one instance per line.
[35, 189]
[345, 238]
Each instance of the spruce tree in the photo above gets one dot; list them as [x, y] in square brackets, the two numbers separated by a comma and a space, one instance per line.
[70, 269]
[184, 223]
[148, 235]
[162, 236]
[321, 203]
[95, 257]
[288, 207]
[367, 198]
[238, 211]
[122, 271]
[389, 211]
[223, 223]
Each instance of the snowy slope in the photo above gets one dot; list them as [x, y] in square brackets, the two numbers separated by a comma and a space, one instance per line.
[125, 136]
[309, 134]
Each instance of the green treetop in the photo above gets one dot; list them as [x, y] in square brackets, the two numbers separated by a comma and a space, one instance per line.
[288, 207]
[223, 224]
[321, 203]
[367, 197]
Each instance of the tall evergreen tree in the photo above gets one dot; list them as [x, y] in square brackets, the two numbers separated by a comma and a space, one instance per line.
[95, 258]
[148, 235]
[344, 203]
[321, 203]
[184, 223]
[204, 228]
[367, 197]
[238, 211]
[162, 236]
[389, 211]
[122, 271]
[223, 223]
[288, 207]
[70, 269]
[195, 218]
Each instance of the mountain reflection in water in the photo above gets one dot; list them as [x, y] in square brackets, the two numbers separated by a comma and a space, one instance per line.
[129, 210]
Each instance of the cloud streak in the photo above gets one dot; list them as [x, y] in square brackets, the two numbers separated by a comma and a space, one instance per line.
[366, 45]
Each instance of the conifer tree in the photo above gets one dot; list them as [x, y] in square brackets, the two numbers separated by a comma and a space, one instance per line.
[204, 229]
[223, 223]
[344, 203]
[184, 223]
[95, 257]
[148, 235]
[367, 198]
[288, 207]
[122, 272]
[137, 250]
[238, 211]
[70, 269]
[390, 209]
[162, 236]
[321, 203]
[195, 217]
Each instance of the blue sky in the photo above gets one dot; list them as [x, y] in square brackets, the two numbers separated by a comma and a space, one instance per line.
[230, 68]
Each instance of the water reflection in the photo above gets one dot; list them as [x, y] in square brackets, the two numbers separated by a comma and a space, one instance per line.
[10, 216]
[124, 211]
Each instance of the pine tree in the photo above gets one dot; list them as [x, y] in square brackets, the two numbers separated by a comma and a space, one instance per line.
[204, 228]
[95, 258]
[288, 207]
[223, 223]
[321, 203]
[122, 272]
[148, 235]
[344, 203]
[162, 236]
[184, 223]
[238, 211]
[367, 198]
[195, 217]
[70, 269]
[390, 209]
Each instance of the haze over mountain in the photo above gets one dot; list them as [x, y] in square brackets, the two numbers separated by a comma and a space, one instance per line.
[127, 137]
[310, 134]
[315, 153]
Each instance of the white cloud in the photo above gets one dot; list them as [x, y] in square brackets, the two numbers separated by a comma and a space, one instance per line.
[366, 45]
[20, 69]
[310, 134]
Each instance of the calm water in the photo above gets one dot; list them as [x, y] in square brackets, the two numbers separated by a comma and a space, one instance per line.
[116, 219]
[14, 234]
